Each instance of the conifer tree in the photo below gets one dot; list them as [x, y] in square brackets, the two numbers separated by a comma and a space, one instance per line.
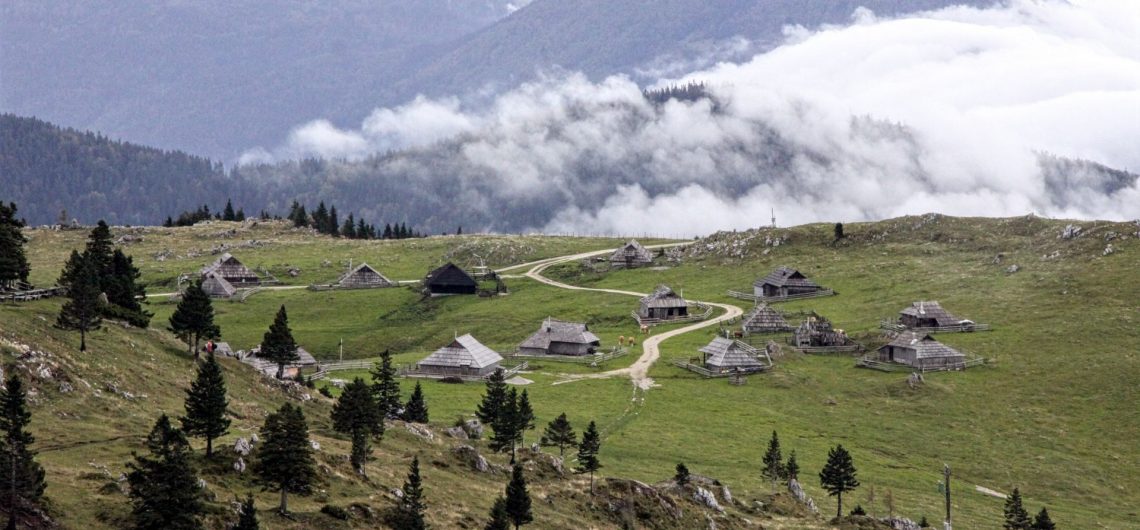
[524, 417]
[838, 231]
[349, 228]
[506, 425]
[20, 475]
[99, 250]
[838, 475]
[363, 231]
[792, 468]
[284, 461]
[493, 398]
[247, 515]
[1016, 517]
[409, 511]
[240, 215]
[500, 520]
[206, 404]
[278, 345]
[81, 311]
[123, 290]
[355, 413]
[321, 218]
[588, 453]
[416, 410]
[559, 433]
[1043, 521]
[385, 387]
[163, 487]
[922, 523]
[333, 223]
[193, 319]
[13, 262]
[518, 500]
[773, 461]
[682, 476]
[387, 230]
[228, 213]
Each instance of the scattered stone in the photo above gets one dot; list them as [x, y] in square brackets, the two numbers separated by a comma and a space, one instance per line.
[243, 447]
[899, 523]
[1012, 268]
[315, 445]
[707, 498]
[420, 430]
[253, 439]
[456, 432]
[798, 492]
[398, 493]
[998, 258]
[474, 428]
[201, 484]
[239, 466]
[1071, 231]
[65, 388]
[1052, 255]
[726, 494]
[294, 272]
[470, 456]
[1109, 250]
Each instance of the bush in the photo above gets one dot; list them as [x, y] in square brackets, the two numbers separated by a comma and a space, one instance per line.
[336, 512]
[324, 391]
[452, 380]
[858, 510]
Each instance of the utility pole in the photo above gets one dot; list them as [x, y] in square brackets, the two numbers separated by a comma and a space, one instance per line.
[773, 218]
[946, 477]
[341, 347]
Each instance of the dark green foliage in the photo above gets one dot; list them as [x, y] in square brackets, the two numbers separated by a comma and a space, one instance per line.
[21, 477]
[206, 404]
[385, 387]
[228, 213]
[506, 424]
[408, 513]
[164, 490]
[838, 475]
[416, 410]
[773, 460]
[588, 453]
[499, 520]
[277, 344]
[284, 460]
[247, 517]
[858, 511]
[692, 91]
[682, 477]
[518, 500]
[1016, 517]
[298, 215]
[493, 398]
[13, 263]
[193, 319]
[99, 249]
[559, 433]
[336, 512]
[81, 311]
[524, 416]
[792, 468]
[356, 413]
[922, 523]
[839, 231]
[123, 291]
[1043, 521]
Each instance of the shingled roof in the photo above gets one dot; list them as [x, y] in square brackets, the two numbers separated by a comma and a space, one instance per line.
[786, 276]
[232, 269]
[725, 353]
[449, 274]
[464, 351]
[554, 330]
[364, 276]
[931, 309]
[924, 345]
[663, 296]
[764, 318]
[632, 252]
[215, 285]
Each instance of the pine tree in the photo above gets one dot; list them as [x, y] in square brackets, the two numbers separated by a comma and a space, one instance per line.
[20, 475]
[163, 488]
[559, 433]
[459, 231]
[99, 250]
[838, 231]
[228, 213]
[278, 345]
[506, 425]
[922, 523]
[385, 387]
[416, 410]
[792, 468]
[240, 215]
[588, 453]
[169, 222]
[363, 231]
[409, 511]
[387, 230]
[13, 262]
[284, 461]
[334, 223]
[1043, 521]
[682, 476]
[355, 413]
[1016, 518]
[247, 515]
[838, 475]
[518, 500]
[193, 319]
[500, 520]
[773, 461]
[524, 417]
[321, 218]
[349, 228]
[206, 404]
[124, 292]
[81, 311]
[493, 399]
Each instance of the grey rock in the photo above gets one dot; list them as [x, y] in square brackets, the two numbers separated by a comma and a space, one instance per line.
[707, 498]
[456, 432]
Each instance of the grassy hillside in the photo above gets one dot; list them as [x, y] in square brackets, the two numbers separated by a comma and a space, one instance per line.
[1054, 413]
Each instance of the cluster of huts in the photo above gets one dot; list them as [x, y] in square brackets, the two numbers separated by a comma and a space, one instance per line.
[223, 277]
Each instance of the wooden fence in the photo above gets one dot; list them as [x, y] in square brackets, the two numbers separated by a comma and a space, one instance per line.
[592, 360]
[773, 299]
[408, 371]
[969, 327]
[32, 294]
[883, 366]
[705, 372]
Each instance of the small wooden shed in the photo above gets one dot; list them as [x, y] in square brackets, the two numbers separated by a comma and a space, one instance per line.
[464, 356]
[557, 337]
[217, 287]
[363, 277]
[784, 282]
[927, 314]
[449, 279]
[921, 351]
[817, 332]
[631, 255]
[727, 355]
[764, 319]
[663, 304]
[232, 270]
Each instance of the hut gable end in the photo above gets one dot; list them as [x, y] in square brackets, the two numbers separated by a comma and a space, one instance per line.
[632, 254]
[927, 314]
[364, 276]
[557, 337]
[727, 354]
[463, 356]
[450, 279]
[232, 270]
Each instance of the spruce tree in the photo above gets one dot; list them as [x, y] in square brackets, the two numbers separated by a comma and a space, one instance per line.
[81, 311]
[682, 476]
[499, 520]
[506, 425]
[792, 468]
[99, 250]
[284, 460]
[228, 213]
[278, 345]
[13, 262]
[240, 215]
[333, 223]
[206, 404]
[387, 230]
[193, 319]
[838, 475]
[1043, 521]
[518, 500]
[20, 475]
[493, 398]
[247, 515]
[559, 433]
[123, 290]
[409, 511]
[773, 460]
[163, 487]
[922, 523]
[385, 387]
[524, 417]
[1016, 517]
[588, 453]
[348, 230]
[416, 410]
[838, 231]
[356, 414]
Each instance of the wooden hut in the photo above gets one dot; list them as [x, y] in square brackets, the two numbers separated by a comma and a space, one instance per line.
[724, 355]
[217, 287]
[817, 332]
[784, 282]
[631, 255]
[449, 279]
[465, 356]
[764, 319]
[921, 351]
[557, 337]
[663, 304]
[363, 277]
[229, 268]
[928, 314]
[304, 359]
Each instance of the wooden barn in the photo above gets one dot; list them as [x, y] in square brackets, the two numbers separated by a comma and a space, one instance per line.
[928, 314]
[631, 255]
[363, 277]
[724, 355]
[921, 351]
[764, 319]
[465, 356]
[784, 282]
[817, 332]
[305, 359]
[663, 304]
[216, 286]
[229, 268]
[557, 337]
[449, 279]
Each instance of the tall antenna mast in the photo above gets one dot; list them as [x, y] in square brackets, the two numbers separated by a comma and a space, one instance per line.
[773, 218]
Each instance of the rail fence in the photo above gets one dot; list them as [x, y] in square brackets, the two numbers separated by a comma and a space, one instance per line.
[774, 299]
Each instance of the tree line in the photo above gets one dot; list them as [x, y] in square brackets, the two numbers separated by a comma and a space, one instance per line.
[326, 221]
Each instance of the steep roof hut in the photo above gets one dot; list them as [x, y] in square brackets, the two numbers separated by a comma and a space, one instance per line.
[927, 314]
[663, 304]
[464, 356]
[817, 332]
[304, 357]
[631, 255]
[450, 279]
[784, 282]
[557, 337]
[363, 277]
[232, 270]
[920, 350]
[726, 355]
[217, 287]
[764, 319]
